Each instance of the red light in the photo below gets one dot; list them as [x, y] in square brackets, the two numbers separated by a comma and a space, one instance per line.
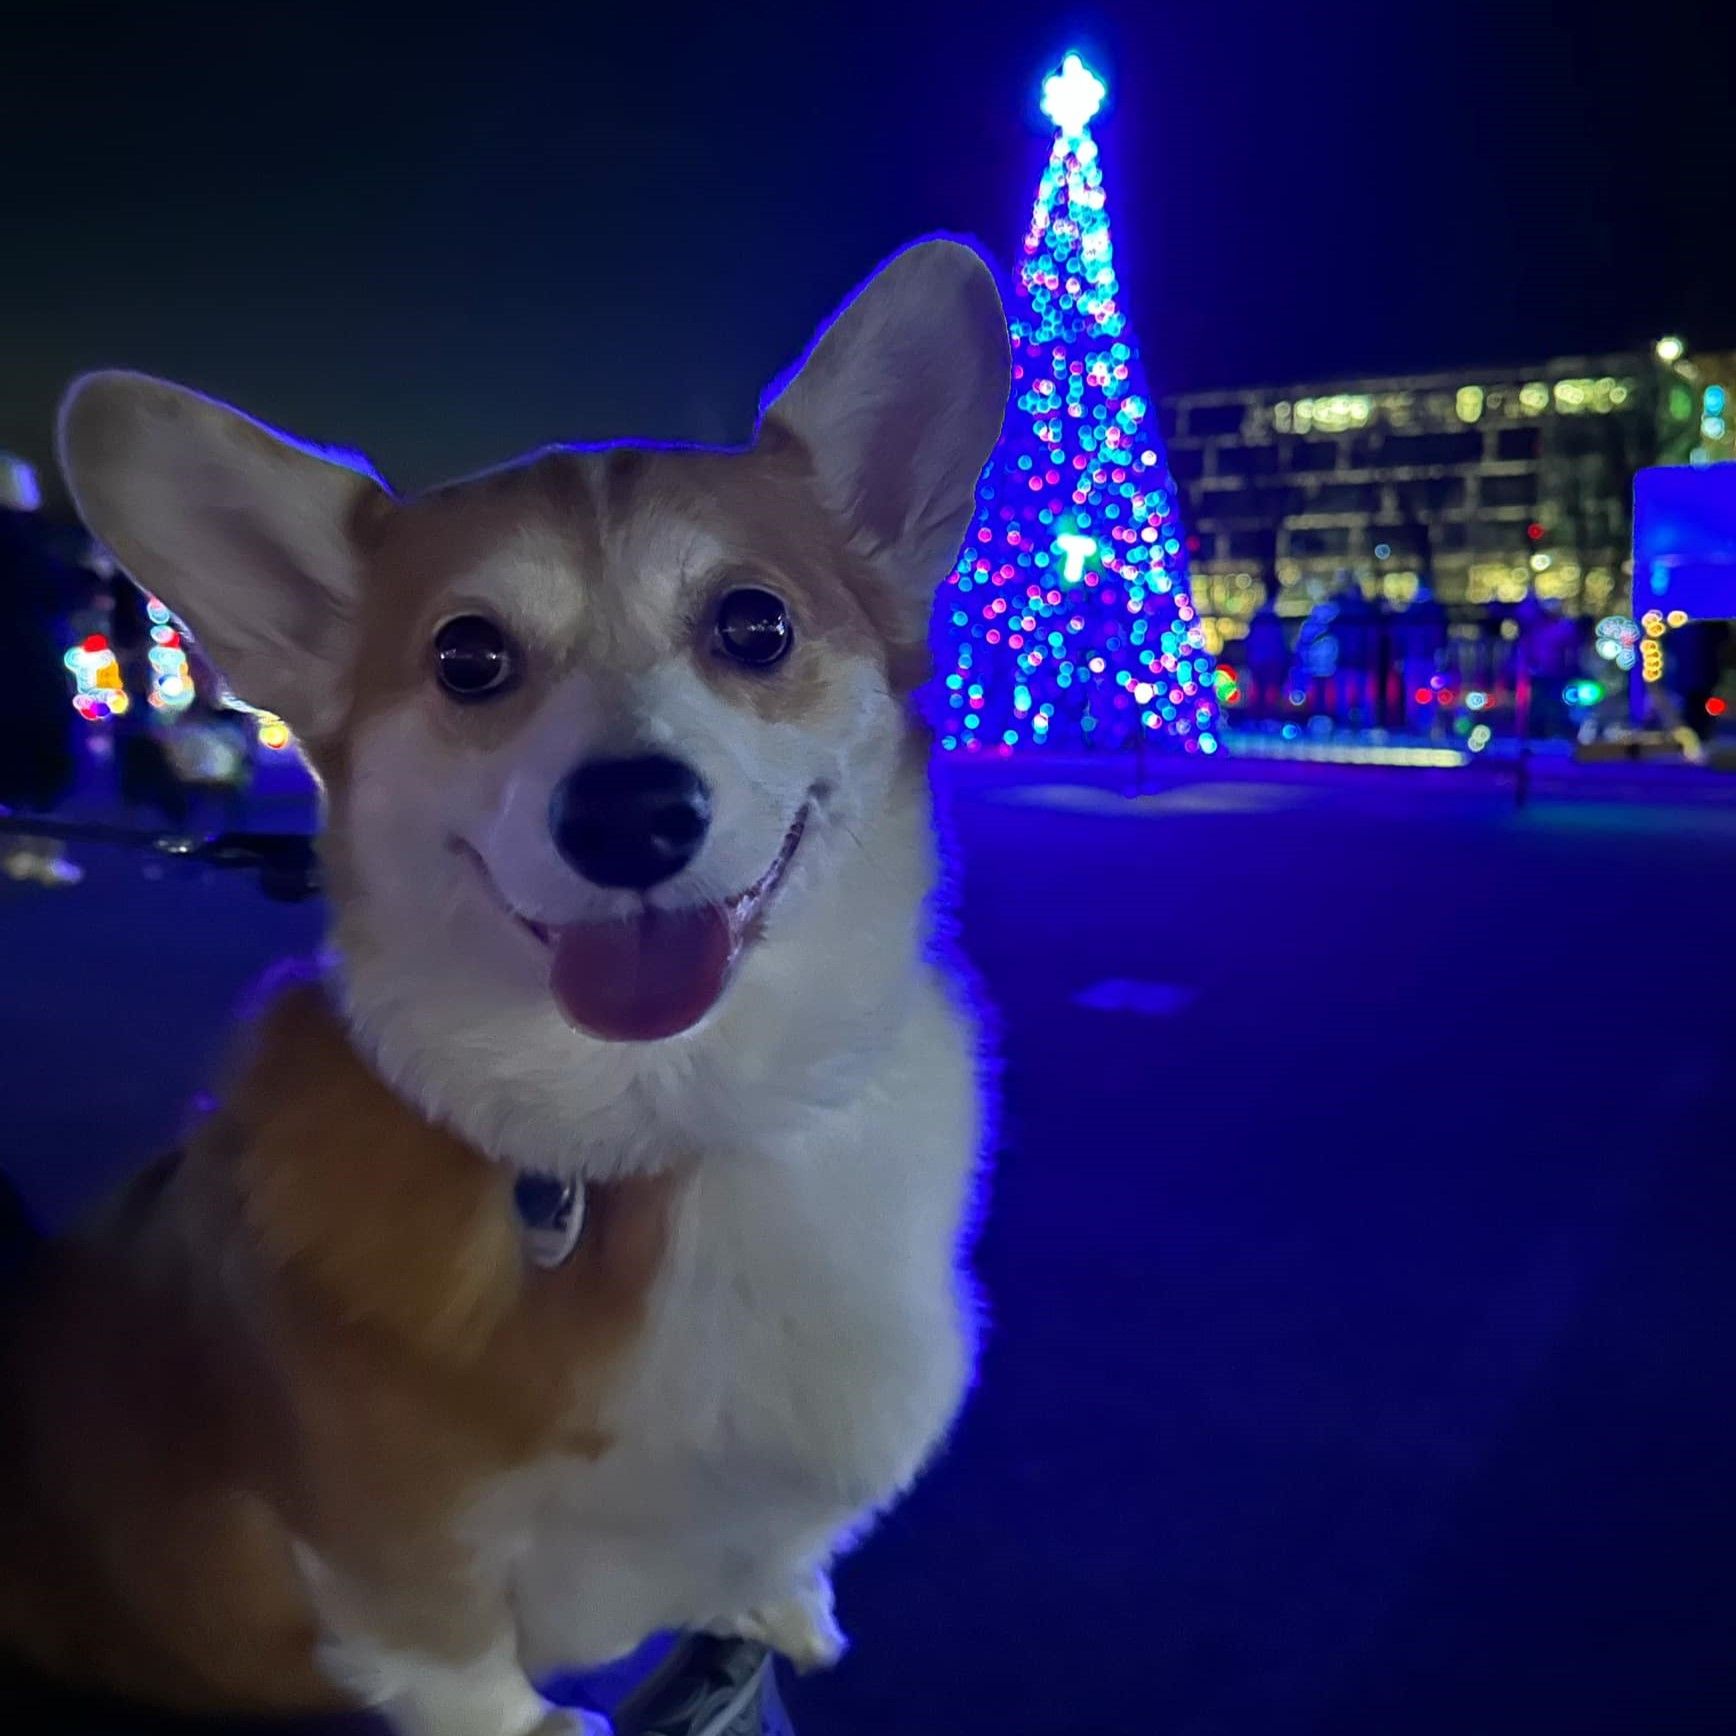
[96, 642]
[1716, 707]
[1535, 532]
[1424, 695]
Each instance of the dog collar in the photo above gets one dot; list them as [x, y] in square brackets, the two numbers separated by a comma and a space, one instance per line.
[551, 1214]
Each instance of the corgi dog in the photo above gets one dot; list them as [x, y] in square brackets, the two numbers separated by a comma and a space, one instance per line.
[627, 839]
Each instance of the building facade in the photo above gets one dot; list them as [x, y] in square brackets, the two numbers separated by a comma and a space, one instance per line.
[1485, 486]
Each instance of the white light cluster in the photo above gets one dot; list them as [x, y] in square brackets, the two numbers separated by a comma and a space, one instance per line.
[1072, 96]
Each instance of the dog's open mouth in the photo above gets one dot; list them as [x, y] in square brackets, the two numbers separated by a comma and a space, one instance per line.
[651, 975]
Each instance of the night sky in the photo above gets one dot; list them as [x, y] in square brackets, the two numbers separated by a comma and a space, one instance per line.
[447, 241]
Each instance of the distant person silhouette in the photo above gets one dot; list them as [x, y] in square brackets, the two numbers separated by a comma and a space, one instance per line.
[1693, 666]
[144, 770]
[38, 752]
[1419, 633]
[1266, 657]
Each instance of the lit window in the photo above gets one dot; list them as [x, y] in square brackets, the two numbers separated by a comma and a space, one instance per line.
[1561, 582]
[1332, 415]
[1492, 582]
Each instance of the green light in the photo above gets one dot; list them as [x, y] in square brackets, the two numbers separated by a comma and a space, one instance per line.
[1075, 550]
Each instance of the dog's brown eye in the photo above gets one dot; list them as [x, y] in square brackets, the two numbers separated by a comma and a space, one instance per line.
[472, 658]
[754, 627]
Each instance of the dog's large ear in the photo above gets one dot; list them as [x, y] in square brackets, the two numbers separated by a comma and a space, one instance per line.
[898, 406]
[246, 535]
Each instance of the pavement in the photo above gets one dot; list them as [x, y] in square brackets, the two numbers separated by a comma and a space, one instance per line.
[1358, 1254]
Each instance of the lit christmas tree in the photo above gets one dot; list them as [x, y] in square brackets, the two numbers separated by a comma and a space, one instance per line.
[1068, 619]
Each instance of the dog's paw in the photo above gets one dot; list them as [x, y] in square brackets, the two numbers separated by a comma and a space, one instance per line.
[800, 1627]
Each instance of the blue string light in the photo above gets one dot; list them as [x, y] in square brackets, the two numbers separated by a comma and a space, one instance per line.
[1068, 619]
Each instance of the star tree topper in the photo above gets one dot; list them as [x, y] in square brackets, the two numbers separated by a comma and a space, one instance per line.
[1072, 96]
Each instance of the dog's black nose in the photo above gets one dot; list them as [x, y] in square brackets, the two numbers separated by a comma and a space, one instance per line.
[630, 822]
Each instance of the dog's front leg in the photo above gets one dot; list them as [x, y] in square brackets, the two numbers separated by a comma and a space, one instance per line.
[800, 1625]
[484, 1694]
[435, 1652]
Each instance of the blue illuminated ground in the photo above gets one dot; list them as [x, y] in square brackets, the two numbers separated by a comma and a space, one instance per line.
[1361, 1259]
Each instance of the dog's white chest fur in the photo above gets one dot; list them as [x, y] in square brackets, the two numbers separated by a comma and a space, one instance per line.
[808, 1343]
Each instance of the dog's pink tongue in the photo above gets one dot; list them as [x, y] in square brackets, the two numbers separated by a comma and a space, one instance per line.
[648, 977]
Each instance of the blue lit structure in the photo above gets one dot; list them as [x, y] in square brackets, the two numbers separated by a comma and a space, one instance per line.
[1068, 619]
[1685, 537]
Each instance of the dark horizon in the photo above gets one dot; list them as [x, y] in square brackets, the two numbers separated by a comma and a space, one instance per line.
[445, 246]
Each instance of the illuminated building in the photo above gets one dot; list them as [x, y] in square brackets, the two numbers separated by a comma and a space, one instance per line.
[1488, 485]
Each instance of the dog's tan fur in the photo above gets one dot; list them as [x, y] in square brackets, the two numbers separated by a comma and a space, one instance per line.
[312, 1325]
[416, 556]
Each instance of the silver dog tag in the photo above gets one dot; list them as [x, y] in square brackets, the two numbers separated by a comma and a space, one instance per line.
[551, 1210]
